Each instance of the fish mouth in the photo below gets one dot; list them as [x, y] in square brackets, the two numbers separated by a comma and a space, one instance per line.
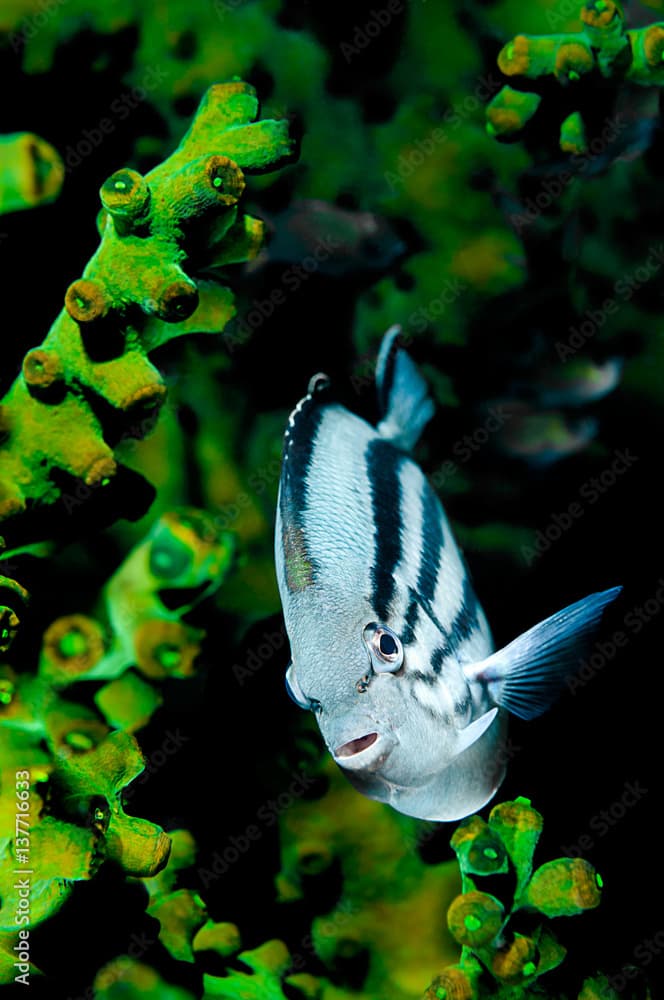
[365, 753]
[353, 747]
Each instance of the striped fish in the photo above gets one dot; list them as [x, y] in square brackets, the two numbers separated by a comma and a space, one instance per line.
[390, 647]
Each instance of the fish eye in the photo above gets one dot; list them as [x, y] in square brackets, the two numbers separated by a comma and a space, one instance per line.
[387, 645]
[296, 694]
[384, 647]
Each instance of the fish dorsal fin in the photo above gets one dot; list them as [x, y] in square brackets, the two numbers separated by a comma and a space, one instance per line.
[472, 733]
[526, 676]
[403, 395]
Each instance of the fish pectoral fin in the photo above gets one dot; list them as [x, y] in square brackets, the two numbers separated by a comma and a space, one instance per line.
[472, 733]
[403, 395]
[526, 676]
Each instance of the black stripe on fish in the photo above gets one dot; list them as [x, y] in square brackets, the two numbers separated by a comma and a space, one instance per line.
[463, 626]
[432, 543]
[299, 446]
[466, 621]
[410, 621]
[437, 658]
[383, 463]
[429, 679]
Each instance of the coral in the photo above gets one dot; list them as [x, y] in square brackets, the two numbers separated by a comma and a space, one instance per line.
[188, 936]
[181, 912]
[31, 172]
[492, 260]
[393, 161]
[385, 887]
[604, 46]
[126, 979]
[496, 959]
[183, 559]
[13, 599]
[262, 975]
[74, 820]
[266, 969]
[141, 288]
[87, 768]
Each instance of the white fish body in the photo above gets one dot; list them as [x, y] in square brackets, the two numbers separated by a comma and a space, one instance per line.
[389, 645]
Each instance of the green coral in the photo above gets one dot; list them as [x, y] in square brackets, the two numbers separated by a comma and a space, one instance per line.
[264, 979]
[31, 172]
[184, 558]
[86, 769]
[496, 960]
[13, 599]
[142, 287]
[67, 834]
[386, 887]
[603, 45]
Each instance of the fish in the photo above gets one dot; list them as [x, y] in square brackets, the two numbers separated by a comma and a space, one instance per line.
[338, 240]
[541, 438]
[390, 648]
[573, 383]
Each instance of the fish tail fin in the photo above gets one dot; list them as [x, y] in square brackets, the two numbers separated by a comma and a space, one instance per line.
[526, 676]
[403, 395]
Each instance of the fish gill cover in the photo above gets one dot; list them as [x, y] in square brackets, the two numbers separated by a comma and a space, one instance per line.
[486, 175]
